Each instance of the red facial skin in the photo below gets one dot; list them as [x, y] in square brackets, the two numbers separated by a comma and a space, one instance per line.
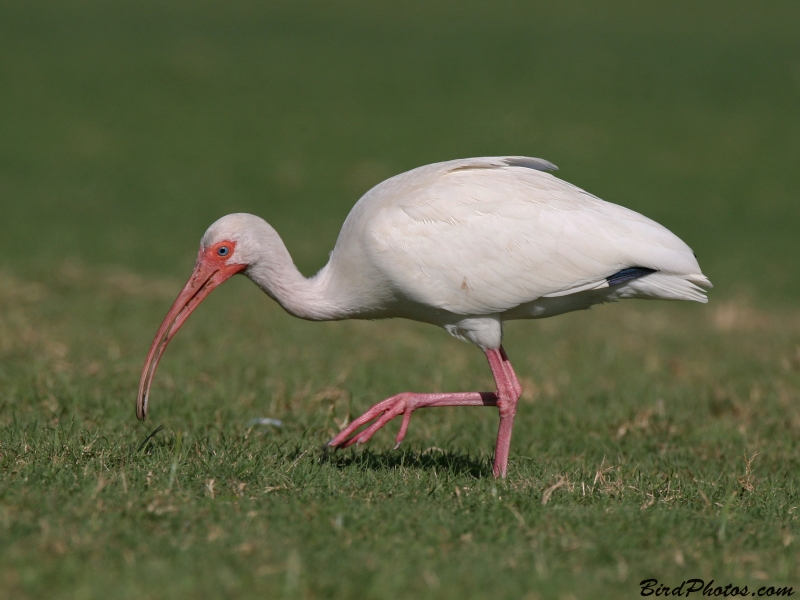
[210, 271]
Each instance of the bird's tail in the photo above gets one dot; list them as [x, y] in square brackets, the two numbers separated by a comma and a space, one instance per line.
[669, 286]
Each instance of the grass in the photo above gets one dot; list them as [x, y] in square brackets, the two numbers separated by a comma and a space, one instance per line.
[653, 440]
[661, 437]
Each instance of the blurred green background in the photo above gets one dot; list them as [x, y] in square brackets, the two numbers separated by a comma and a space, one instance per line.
[127, 128]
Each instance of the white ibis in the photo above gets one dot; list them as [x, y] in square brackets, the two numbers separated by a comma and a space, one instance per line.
[466, 245]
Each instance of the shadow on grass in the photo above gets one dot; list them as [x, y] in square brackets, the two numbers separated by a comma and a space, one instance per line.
[455, 463]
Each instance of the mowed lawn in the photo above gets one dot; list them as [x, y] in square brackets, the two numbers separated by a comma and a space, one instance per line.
[653, 440]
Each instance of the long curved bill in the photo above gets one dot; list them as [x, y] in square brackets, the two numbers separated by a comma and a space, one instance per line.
[207, 275]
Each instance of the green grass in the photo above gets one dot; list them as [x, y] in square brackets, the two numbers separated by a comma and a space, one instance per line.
[653, 439]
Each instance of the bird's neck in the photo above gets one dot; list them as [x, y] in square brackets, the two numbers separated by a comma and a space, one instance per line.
[274, 272]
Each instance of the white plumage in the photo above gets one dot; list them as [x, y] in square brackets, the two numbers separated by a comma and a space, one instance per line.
[466, 245]
[496, 239]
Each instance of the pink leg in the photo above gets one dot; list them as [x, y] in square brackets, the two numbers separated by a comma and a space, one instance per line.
[510, 372]
[508, 392]
[405, 404]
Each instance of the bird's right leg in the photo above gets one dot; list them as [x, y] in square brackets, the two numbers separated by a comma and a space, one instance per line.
[405, 404]
[505, 399]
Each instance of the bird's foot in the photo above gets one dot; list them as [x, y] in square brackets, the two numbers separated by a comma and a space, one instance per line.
[404, 404]
[384, 412]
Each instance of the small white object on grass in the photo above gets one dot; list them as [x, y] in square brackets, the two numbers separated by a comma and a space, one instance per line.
[265, 421]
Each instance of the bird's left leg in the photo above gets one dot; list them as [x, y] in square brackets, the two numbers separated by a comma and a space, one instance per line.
[508, 392]
[517, 387]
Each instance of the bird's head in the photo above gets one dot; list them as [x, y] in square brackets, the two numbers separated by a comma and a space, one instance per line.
[228, 247]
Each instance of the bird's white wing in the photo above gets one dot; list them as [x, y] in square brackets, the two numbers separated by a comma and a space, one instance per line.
[482, 236]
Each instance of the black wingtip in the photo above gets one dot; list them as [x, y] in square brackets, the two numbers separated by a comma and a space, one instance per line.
[628, 274]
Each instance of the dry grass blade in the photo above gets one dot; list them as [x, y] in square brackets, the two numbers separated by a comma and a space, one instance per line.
[562, 481]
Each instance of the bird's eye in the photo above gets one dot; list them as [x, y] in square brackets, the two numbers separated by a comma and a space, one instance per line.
[223, 251]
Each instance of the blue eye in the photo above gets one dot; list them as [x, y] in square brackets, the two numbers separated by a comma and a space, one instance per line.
[223, 251]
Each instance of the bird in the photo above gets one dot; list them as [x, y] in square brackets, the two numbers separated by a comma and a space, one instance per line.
[465, 244]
